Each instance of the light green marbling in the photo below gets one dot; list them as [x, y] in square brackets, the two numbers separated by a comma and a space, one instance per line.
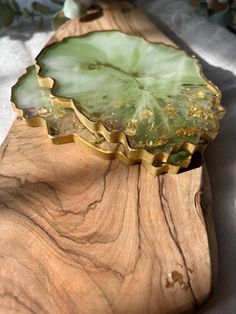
[154, 93]
[35, 101]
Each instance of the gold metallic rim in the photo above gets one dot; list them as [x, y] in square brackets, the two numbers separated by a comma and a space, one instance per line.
[102, 153]
[95, 150]
[138, 154]
[121, 156]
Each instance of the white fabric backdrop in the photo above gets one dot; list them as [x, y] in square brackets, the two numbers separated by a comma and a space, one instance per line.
[16, 54]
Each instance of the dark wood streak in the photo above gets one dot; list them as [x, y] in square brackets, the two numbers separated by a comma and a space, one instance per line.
[24, 265]
[18, 301]
[4, 150]
[99, 201]
[174, 236]
[72, 253]
[54, 229]
[204, 203]
[198, 201]
[138, 221]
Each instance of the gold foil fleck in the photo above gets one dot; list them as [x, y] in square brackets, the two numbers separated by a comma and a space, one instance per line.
[131, 127]
[162, 140]
[200, 95]
[197, 111]
[170, 110]
[147, 114]
[188, 131]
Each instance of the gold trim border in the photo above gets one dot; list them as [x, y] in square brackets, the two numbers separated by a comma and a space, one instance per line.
[99, 152]
[138, 154]
[92, 148]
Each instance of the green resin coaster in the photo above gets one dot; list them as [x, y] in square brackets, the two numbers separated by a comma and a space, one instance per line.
[151, 97]
[34, 104]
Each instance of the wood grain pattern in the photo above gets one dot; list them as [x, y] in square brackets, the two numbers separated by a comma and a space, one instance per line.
[83, 235]
[119, 15]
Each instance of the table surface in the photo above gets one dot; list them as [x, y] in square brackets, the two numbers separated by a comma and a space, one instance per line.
[217, 48]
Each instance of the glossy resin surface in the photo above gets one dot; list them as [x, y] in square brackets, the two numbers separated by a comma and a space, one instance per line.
[35, 105]
[153, 93]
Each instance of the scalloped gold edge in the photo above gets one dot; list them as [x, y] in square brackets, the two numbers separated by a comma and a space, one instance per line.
[121, 156]
[99, 152]
[138, 154]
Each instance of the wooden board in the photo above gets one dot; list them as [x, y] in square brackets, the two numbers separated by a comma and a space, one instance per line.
[83, 235]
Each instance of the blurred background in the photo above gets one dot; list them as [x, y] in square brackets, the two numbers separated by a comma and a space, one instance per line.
[205, 28]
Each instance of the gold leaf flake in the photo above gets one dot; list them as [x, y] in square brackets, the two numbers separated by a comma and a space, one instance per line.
[162, 140]
[147, 114]
[199, 112]
[170, 110]
[131, 127]
[188, 131]
[200, 95]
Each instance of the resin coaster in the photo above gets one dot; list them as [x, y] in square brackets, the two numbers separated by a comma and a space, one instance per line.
[34, 103]
[150, 97]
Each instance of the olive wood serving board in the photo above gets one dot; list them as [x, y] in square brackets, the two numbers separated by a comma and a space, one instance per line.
[79, 234]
